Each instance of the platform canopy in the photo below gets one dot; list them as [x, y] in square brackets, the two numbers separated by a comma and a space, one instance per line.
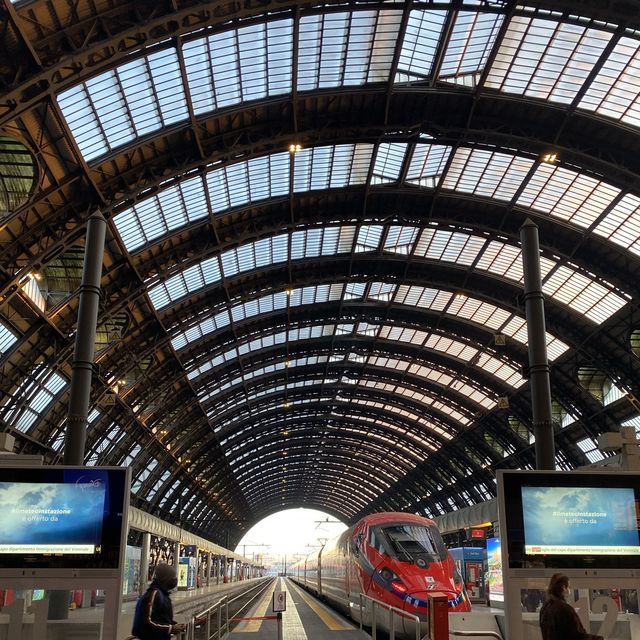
[313, 278]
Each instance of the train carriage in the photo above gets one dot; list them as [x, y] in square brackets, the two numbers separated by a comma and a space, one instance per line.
[395, 558]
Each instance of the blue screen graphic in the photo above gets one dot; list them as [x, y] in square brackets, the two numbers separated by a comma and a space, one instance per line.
[51, 518]
[580, 520]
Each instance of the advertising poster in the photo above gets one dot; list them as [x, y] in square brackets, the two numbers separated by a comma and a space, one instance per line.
[494, 571]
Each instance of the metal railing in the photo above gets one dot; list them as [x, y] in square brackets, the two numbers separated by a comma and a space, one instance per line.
[205, 618]
[375, 605]
[215, 618]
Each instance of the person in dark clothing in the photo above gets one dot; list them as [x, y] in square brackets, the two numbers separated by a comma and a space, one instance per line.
[558, 619]
[153, 619]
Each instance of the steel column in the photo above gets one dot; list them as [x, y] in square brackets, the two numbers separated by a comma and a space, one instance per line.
[144, 562]
[82, 367]
[536, 333]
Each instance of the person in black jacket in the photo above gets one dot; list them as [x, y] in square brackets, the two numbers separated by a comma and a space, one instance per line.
[153, 619]
[558, 619]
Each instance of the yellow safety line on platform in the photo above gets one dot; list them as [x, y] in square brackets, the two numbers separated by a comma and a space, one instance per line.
[253, 626]
[328, 617]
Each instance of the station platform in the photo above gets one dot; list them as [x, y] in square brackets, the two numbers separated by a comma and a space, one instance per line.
[85, 623]
[304, 619]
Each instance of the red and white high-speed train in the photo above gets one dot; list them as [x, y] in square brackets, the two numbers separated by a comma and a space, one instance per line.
[396, 558]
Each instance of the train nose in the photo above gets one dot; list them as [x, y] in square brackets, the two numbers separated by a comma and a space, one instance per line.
[415, 603]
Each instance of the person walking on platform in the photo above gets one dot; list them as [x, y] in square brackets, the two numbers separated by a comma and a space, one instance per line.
[153, 619]
[558, 619]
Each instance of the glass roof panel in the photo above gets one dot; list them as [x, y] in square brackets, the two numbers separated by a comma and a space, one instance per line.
[477, 311]
[249, 181]
[486, 173]
[458, 413]
[546, 59]
[388, 162]
[622, 224]
[420, 43]
[332, 167]
[563, 193]
[346, 48]
[428, 162]
[496, 367]
[134, 99]
[400, 239]
[587, 297]
[207, 392]
[31, 399]
[423, 297]
[615, 91]
[369, 236]
[404, 413]
[202, 328]
[153, 490]
[471, 41]
[190, 280]
[154, 217]
[450, 246]
[516, 328]
[7, 338]
[243, 64]
[568, 195]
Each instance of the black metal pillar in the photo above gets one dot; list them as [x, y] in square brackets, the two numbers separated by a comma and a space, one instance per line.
[537, 335]
[82, 367]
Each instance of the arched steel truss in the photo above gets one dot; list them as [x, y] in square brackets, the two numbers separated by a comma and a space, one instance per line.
[356, 366]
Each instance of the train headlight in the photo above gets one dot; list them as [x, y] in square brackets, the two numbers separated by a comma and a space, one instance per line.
[398, 586]
[387, 574]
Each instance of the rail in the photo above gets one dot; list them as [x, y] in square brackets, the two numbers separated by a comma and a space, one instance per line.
[479, 634]
[376, 604]
[217, 615]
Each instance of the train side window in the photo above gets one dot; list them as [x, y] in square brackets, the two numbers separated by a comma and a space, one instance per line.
[375, 543]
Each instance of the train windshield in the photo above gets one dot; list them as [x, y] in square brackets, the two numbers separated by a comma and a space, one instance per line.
[410, 542]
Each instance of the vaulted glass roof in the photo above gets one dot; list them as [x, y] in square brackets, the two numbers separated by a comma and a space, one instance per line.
[312, 278]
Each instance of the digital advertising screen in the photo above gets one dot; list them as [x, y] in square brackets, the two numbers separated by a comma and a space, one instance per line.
[572, 519]
[61, 517]
[51, 518]
[580, 520]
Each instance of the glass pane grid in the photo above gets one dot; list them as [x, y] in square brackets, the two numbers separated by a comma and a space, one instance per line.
[500, 369]
[172, 209]
[449, 246]
[243, 64]
[615, 91]
[346, 49]
[428, 162]
[472, 39]
[113, 108]
[332, 167]
[568, 195]
[487, 173]
[369, 237]
[31, 399]
[621, 224]
[546, 59]
[585, 296]
[400, 239]
[421, 397]
[388, 162]
[7, 338]
[420, 43]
